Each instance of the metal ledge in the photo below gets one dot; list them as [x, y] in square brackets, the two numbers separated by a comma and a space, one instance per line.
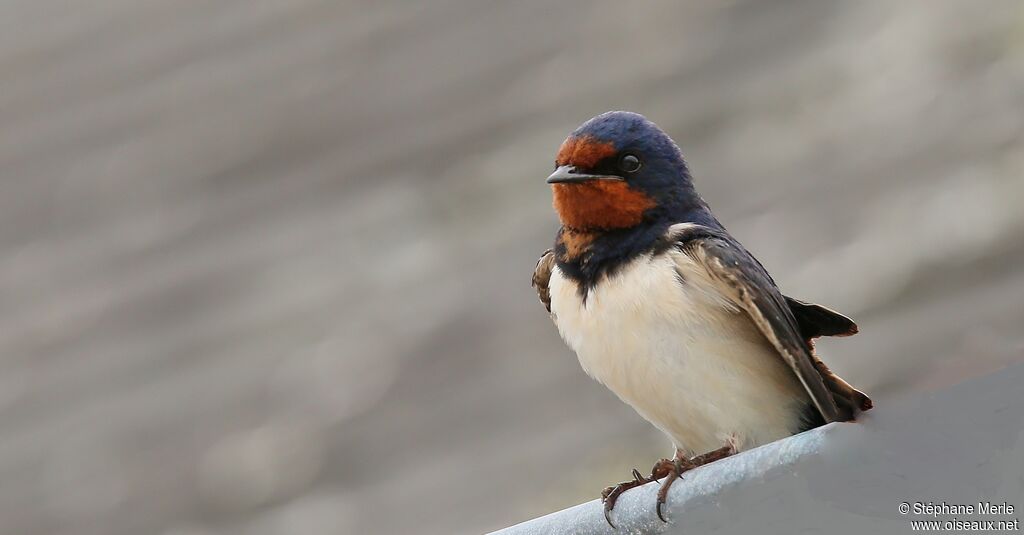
[959, 446]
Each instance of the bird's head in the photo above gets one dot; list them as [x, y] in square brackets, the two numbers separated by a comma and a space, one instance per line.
[619, 170]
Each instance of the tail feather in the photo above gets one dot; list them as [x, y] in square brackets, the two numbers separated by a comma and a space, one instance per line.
[816, 321]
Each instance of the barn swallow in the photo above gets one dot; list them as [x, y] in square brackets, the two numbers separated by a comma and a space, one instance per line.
[669, 311]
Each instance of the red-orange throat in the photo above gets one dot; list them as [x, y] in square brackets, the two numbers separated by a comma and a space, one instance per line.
[600, 205]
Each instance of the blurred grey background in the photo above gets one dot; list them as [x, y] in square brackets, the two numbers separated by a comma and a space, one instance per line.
[264, 264]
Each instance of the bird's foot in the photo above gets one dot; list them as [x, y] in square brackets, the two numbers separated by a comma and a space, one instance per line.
[681, 464]
[662, 469]
[667, 469]
[611, 494]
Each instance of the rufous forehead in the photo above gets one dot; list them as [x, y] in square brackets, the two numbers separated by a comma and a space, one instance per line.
[583, 152]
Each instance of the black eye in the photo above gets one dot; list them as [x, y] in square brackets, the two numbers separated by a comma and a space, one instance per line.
[629, 163]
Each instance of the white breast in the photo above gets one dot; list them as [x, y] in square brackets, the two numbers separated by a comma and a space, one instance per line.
[666, 341]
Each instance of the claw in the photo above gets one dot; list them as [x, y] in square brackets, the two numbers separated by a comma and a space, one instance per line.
[675, 470]
[663, 494]
[611, 495]
[608, 518]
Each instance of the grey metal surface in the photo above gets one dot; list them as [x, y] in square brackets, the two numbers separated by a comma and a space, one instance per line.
[960, 446]
[264, 264]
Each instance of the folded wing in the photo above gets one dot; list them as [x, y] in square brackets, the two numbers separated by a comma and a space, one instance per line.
[745, 282]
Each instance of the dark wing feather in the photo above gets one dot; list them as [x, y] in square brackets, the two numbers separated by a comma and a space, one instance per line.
[745, 282]
[541, 277]
[816, 320]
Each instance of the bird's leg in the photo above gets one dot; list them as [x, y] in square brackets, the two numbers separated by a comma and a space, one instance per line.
[681, 464]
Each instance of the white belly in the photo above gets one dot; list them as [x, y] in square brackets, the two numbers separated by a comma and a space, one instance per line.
[686, 358]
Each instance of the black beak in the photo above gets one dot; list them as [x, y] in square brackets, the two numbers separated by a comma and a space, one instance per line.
[569, 173]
